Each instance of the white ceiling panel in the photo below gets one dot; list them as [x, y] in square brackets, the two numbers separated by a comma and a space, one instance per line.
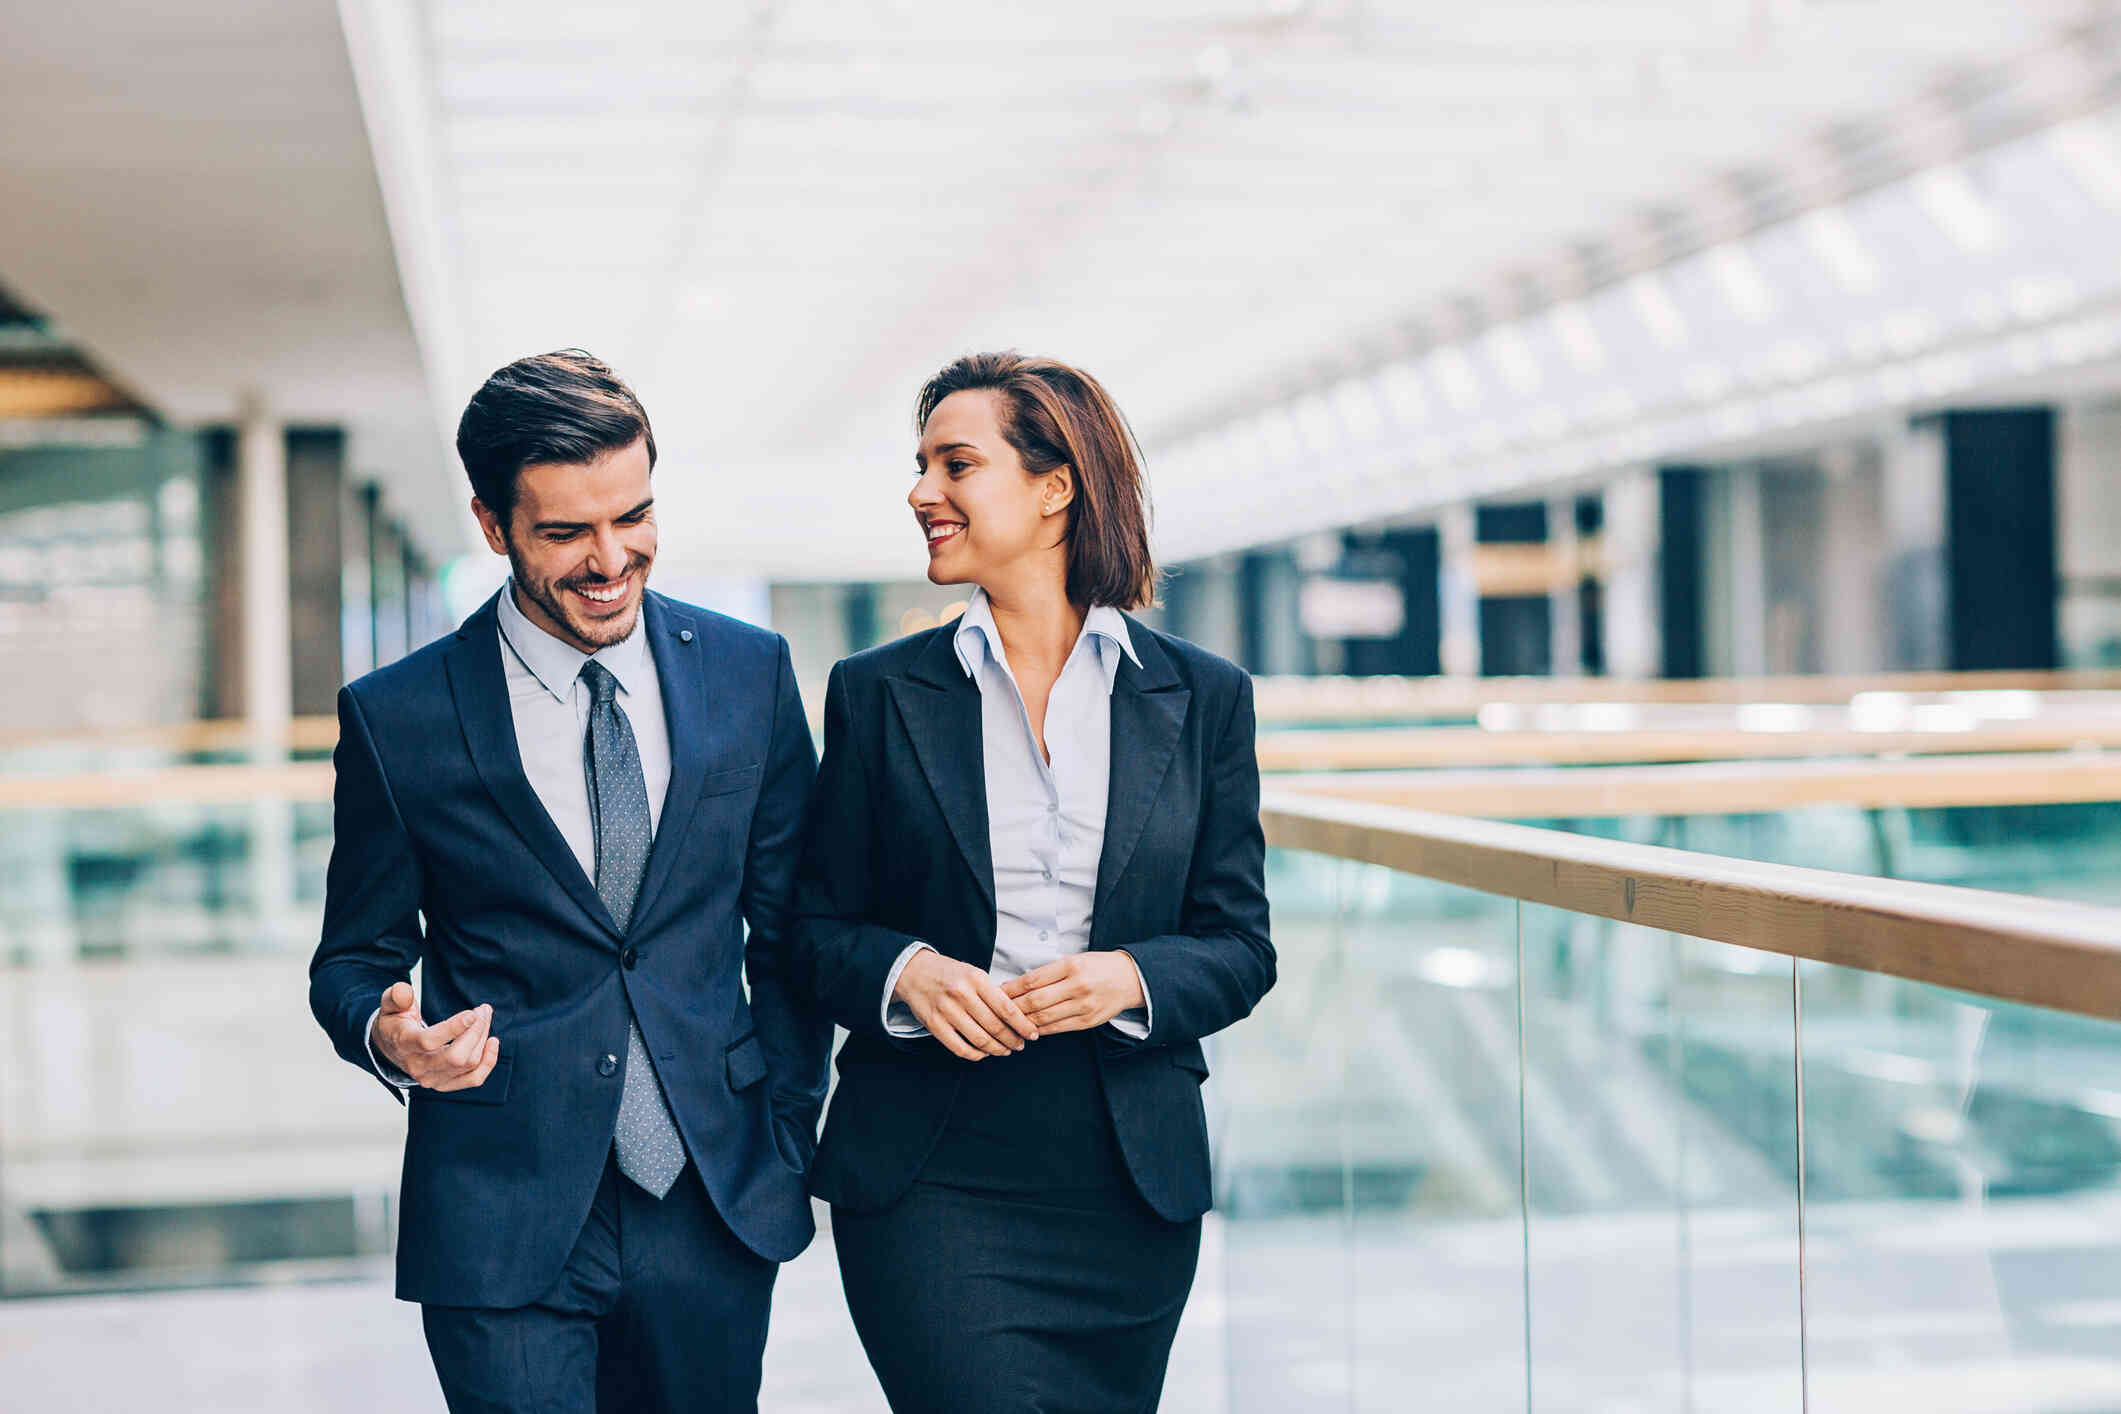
[778, 218]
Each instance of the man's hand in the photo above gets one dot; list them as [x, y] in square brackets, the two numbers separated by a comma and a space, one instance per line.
[961, 1007]
[1079, 992]
[456, 1054]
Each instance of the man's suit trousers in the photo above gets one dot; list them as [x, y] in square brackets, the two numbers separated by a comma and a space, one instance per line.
[659, 1308]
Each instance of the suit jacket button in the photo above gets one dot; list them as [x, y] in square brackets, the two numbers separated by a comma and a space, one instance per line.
[629, 959]
[609, 1065]
[684, 635]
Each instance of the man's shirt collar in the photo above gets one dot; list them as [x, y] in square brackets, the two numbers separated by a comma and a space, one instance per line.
[556, 663]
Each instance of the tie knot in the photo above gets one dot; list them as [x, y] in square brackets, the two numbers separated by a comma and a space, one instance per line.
[603, 687]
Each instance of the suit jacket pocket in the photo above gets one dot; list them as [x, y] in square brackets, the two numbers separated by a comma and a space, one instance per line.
[747, 1063]
[1190, 1059]
[725, 782]
[493, 1092]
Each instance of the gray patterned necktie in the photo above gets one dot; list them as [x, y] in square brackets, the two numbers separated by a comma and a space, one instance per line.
[650, 1151]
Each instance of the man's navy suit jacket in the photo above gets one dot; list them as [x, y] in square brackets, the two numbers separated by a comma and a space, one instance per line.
[442, 853]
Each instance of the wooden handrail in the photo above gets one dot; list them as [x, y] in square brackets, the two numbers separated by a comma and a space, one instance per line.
[297, 781]
[1730, 787]
[1523, 793]
[1391, 748]
[1295, 699]
[1385, 699]
[212, 734]
[2007, 946]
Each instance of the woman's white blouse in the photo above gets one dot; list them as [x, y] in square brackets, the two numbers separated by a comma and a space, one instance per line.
[1045, 821]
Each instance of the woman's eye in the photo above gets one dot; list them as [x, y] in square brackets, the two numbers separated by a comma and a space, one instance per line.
[956, 467]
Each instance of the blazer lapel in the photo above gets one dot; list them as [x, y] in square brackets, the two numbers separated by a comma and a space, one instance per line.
[681, 672]
[1148, 713]
[941, 710]
[481, 690]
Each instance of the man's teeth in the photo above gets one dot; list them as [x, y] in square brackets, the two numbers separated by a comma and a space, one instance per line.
[603, 596]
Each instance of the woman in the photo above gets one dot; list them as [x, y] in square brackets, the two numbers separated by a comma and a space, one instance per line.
[1032, 884]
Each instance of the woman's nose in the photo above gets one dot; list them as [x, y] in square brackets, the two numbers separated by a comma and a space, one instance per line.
[924, 495]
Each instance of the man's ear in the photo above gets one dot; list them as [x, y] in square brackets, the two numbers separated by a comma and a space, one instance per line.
[496, 533]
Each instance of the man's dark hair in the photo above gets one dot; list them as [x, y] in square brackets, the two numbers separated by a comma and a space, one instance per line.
[565, 407]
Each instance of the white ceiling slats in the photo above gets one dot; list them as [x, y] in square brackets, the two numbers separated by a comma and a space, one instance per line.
[777, 218]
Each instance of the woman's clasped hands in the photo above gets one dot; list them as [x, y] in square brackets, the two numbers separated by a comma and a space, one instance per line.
[974, 1016]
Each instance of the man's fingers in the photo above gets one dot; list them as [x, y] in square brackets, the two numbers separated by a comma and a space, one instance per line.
[489, 1057]
[398, 997]
[466, 1050]
[438, 1036]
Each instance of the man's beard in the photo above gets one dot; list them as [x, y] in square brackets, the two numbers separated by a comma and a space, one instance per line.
[550, 595]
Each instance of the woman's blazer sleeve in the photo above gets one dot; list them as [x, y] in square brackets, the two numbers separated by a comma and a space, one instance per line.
[843, 959]
[1221, 962]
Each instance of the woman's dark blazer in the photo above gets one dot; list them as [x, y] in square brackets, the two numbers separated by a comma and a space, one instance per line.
[897, 850]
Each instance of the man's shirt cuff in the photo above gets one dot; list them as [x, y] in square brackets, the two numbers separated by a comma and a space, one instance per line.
[389, 1073]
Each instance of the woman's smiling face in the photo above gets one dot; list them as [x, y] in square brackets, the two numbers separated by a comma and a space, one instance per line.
[980, 511]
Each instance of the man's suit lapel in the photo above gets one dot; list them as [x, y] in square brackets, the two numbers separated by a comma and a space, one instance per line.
[681, 671]
[481, 690]
[940, 706]
[1148, 714]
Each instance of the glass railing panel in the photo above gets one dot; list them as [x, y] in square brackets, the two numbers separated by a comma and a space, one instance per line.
[1660, 1141]
[2066, 850]
[1962, 1199]
[1368, 1174]
[162, 878]
[1433, 1156]
[168, 1112]
[1277, 1109]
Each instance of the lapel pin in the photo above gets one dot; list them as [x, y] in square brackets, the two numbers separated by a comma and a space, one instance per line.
[684, 635]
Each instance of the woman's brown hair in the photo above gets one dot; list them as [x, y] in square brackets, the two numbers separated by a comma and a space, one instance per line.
[1059, 416]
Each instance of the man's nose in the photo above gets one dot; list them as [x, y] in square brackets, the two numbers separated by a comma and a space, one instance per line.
[607, 555]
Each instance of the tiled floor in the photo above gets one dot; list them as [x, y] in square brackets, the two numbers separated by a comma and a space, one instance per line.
[348, 1348]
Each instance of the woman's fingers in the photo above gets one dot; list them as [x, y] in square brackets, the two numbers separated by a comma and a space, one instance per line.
[960, 1018]
[1038, 977]
[1006, 1008]
[1065, 1016]
[944, 1030]
[994, 1035]
[1067, 989]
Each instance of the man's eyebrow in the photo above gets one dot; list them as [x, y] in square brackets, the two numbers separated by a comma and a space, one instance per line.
[641, 509]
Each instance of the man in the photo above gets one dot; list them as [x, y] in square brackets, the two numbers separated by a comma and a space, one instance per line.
[568, 810]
